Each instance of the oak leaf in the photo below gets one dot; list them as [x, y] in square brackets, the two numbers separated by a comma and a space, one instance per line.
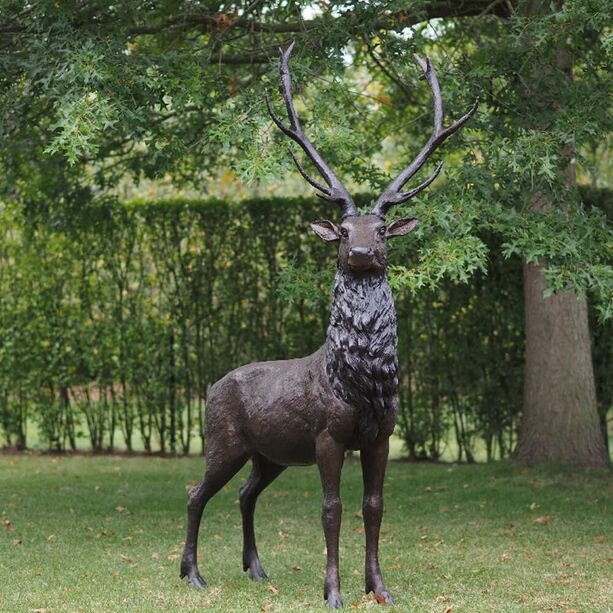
[380, 599]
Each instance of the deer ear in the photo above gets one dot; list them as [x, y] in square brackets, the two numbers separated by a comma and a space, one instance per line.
[400, 227]
[326, 229]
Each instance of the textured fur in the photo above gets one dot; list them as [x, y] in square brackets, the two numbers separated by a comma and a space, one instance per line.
[361, 360]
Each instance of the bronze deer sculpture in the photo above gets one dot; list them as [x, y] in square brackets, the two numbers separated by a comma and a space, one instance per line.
[343, 396]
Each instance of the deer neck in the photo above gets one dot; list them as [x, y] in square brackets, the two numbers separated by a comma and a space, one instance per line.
[361, 345]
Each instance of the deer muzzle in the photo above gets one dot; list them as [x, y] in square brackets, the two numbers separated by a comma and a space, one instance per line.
[360, 257]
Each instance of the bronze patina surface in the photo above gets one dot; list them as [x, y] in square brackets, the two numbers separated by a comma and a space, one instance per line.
[343, 396]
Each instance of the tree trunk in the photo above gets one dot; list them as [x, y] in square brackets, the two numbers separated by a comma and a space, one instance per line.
[560, 416]
[560, 420]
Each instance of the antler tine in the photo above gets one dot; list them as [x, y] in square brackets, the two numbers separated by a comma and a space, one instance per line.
[392, 194]
[305, 175]
[288, 132]
[335, 191]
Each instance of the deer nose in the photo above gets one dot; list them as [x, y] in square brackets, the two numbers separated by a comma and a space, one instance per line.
[360, 258]
[361, 251]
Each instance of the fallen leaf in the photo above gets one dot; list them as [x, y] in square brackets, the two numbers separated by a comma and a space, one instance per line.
[396, 566]
[296, 568]
[6, 523]
[17, 542]
[51, 537]
[449, 609]
[272, 588]
[126, 559]
[120, 509]
[533, 506]
[359, 530]
[543, 519]
[39, 610]
[280, 495]
[380, 599]
[116, 573]
[155, 555]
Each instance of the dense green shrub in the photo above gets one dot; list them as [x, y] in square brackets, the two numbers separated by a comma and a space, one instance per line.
[115, 322]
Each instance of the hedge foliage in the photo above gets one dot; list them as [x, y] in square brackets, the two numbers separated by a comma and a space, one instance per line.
[114, 323]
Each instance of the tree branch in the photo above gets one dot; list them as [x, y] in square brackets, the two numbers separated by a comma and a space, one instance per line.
[432, 10]
[221, 22]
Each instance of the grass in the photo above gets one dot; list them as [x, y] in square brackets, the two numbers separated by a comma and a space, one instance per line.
[106, 533]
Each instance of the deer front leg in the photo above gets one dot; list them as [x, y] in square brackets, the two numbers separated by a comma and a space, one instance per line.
[373, 461]
[330, 456]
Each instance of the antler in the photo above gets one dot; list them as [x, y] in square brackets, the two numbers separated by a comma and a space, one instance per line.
[392, 194]
[335, 191]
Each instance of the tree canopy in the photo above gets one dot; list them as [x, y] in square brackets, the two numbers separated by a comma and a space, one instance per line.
[92, 92]
[95, 95]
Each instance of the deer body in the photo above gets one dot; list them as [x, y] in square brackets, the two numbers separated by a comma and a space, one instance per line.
[279, 408]
[343, 396]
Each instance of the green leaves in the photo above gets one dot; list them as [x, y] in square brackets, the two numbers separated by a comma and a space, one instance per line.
[79, 125]
[575, 244]
[456, 259]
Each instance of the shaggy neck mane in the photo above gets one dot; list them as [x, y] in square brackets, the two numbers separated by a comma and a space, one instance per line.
[361, 361]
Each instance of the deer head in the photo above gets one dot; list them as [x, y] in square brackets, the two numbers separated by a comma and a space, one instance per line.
[363, 237]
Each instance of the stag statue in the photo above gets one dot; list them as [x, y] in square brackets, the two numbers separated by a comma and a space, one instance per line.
[343, 396]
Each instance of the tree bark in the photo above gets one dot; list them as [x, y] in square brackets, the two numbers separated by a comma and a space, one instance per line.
[560, 421]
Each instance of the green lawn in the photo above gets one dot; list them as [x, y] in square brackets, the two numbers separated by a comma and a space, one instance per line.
[106, 533]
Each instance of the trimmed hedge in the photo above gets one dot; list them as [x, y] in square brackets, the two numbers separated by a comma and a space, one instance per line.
[115, 324]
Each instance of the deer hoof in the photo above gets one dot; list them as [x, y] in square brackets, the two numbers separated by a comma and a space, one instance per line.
[384, 598]
[257, 574]
[334, 601]
[194, 579]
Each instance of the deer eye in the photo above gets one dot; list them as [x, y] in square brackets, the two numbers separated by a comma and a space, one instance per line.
[382, 231]
[344, 232]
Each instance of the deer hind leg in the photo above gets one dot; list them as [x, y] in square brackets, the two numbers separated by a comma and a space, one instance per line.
[221, 467]
[263, 473]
